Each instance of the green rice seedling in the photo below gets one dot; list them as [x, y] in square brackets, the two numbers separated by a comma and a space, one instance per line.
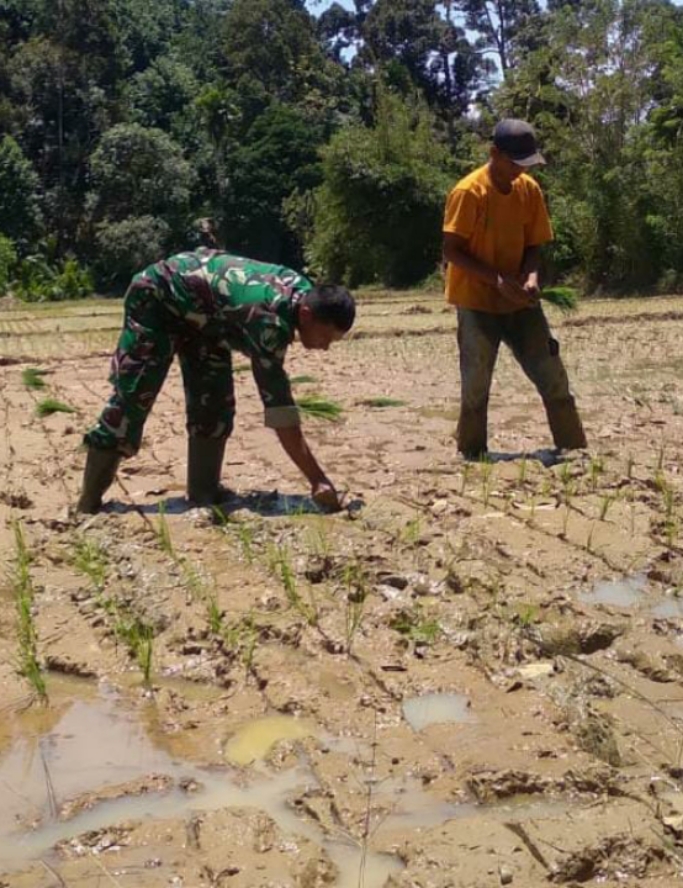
[412, 531]
[527, 615]
[22, 587]
[33, 378]
[380, 403]
[605, 504]
[215, 615]
[415, 626]
[629, 467]
[139, 639]
[315, 407]
[90, 558]
[589, 538]
[302, 380]
[564, 298]
[245, 534]
[356, 585]
[281, 566]
[521, 479]
[466, 471]
[596, 468]
[660, 459]
[50, 406]
[486, 477]
[532, 506]
[164, 534]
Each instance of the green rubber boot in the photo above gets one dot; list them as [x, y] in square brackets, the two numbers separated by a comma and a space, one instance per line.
[204, 463]
[100, 471]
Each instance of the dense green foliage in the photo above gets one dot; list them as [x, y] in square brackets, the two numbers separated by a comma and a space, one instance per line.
[330, 139]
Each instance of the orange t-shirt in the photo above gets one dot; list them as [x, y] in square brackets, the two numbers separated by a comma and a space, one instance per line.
[498, 227]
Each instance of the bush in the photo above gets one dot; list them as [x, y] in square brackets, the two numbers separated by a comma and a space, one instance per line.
[8, 261]
[41, 282]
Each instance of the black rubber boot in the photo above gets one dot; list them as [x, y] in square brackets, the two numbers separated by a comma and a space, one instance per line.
[565, 424]
[204, 463]
[472, 433]
[100, 471]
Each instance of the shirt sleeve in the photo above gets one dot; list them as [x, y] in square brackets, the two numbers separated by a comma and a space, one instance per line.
[461, 213]
[538, 229]
[280, 410]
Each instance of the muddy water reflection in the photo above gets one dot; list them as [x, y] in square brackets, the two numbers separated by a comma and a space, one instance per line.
[90, 741]
[434, 709]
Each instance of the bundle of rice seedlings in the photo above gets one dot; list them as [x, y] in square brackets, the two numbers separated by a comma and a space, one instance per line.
[32, 378]
[50, 406]
[315, 407]
[564, 298]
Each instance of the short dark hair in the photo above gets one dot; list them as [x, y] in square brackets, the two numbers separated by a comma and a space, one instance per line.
[332, 304]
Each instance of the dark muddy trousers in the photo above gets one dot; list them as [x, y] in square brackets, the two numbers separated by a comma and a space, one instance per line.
[528, 335]
[150, 338]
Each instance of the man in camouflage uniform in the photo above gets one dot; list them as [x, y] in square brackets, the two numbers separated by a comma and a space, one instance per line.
[201, 306]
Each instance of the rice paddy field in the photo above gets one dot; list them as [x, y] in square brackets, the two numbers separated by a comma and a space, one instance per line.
[472, 676]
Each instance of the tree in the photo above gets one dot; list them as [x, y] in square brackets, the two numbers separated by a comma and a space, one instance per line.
[378, 212]
[501, 25]
[137, 171]
[278, 155]
[21, 218]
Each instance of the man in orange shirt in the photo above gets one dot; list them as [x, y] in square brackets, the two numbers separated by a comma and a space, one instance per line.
[495, 223]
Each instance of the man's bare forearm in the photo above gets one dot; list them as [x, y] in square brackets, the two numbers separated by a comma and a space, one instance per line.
[458, 255]
[295, 446]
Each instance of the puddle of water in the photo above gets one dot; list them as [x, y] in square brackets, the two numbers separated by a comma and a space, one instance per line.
[670, 608]
[253, 741]
[93, 742]
[434, 709]
[631, 592]
[624, 592]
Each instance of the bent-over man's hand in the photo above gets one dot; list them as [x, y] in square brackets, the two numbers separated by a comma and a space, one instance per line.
[325, 496]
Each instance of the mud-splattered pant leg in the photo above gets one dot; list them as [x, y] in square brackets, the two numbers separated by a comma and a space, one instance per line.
[138, 369]
[209, 388]
[528, 335]
[479, 337]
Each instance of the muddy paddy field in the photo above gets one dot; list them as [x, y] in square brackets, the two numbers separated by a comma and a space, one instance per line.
[471, 677]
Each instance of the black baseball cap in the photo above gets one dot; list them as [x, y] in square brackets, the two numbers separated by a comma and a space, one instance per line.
[516, 139]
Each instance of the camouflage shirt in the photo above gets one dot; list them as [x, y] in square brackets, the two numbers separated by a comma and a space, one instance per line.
[242, 304]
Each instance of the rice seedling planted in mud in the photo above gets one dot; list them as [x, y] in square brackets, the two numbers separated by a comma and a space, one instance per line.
[303, 380]
[32, 378]
[281, 565]
[415, 626]
[90, 558]
[164, 534]
[139, 639]
[355, 582]
[50, 406]
[22, 587]
[315, 407]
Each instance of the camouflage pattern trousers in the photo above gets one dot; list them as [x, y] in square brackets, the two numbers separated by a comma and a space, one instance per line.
[150, 338]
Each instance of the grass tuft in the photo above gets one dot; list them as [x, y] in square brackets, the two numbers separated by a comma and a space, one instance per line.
[50, 406]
